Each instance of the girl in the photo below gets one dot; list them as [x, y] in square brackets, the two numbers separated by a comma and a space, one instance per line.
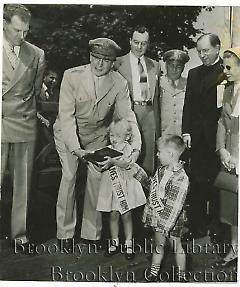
[120, 191]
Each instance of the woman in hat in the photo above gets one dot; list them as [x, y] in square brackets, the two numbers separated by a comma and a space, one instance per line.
[228, 148]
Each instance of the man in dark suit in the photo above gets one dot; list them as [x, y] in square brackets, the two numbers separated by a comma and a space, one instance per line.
[23, 68]
[199, 126]
[142, 74]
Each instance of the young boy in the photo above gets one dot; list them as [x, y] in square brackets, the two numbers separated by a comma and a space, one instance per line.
[164, 209]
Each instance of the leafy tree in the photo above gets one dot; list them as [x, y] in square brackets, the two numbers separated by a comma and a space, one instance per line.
[63, 31]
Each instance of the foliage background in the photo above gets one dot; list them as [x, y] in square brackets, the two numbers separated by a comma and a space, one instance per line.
[63, 31]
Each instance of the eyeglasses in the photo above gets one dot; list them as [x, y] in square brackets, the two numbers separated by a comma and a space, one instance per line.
[227, 67]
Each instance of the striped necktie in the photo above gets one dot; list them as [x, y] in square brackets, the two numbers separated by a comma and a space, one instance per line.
[12, 58]
[143, 81]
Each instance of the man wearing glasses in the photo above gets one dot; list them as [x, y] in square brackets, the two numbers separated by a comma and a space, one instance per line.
[199, 126]
[91, 96]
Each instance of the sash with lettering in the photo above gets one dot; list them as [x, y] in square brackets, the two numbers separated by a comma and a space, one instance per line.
[157, 191]
[119, 190]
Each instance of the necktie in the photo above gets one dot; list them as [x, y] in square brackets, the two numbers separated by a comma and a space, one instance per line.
[12, 58]
[143, 81]
[173, 84]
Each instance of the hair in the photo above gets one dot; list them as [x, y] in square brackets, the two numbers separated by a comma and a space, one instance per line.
[229, 54]
[19, 10]
[123, 126]
[213, 38]
[140, 29]
[174, 141]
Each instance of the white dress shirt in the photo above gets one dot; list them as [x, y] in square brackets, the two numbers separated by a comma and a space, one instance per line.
[136, 76]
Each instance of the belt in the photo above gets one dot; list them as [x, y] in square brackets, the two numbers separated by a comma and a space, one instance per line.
[143, 103]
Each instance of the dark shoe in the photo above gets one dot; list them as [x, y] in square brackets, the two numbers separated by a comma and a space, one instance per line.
[110, 253]
[190, 235]
[129, 256]
[223, 263]
[151, 278]
[215, 238]
[98, 245]
[26, 248]
[66, 245]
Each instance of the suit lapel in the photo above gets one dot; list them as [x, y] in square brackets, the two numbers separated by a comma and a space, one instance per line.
[151, 76]
[26, 57]
[125, 70]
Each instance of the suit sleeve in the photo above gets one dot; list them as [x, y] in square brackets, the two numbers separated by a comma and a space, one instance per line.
[221, 133]
[39, 75]
[156, 101]
[186, 116]
[67, 114]
[123, 110]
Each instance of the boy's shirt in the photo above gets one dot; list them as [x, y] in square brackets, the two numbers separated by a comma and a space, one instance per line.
[171, 190]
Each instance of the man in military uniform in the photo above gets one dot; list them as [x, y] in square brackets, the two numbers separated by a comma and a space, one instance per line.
[172, 92]
[90, 97]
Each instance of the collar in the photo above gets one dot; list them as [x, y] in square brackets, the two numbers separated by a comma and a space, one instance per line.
[176, 81]
[133, 57]
[7, 46]
[218, 58]
[177, 166]
[45, 88]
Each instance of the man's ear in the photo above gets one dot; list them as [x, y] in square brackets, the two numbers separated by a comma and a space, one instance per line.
[130, 41]
[218, 48]
[4, 24]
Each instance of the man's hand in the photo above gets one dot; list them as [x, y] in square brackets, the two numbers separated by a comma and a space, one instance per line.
[187, 140]
[225, 157]
[81, 153]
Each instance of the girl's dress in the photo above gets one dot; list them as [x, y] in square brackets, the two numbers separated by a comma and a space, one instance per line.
[133, 191]
[172, 189]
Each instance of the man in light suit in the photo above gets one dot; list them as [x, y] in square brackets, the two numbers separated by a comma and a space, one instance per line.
[90, 97]
[142, 74]
[23, 68]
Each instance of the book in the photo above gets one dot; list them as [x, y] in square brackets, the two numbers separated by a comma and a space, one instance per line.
[100, 155]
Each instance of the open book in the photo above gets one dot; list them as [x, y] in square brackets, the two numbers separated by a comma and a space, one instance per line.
[101, 154]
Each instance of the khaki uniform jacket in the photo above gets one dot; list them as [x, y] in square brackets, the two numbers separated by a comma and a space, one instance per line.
[84, 117]
[171, 104]
[20, 87]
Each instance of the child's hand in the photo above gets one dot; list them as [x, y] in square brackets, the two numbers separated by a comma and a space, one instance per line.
[121, 162]
[104, 165]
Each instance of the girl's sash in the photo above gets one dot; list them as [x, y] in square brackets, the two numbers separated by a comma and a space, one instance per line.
[119, 190]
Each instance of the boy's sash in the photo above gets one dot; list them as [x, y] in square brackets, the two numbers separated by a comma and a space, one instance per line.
[119, 190]
[154, 197]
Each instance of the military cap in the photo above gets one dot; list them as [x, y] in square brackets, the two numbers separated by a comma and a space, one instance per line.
[104, 48]
[176, 55]
[235, 51]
